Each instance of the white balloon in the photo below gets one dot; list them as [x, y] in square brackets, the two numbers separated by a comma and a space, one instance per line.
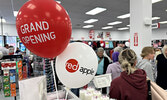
[76, 65]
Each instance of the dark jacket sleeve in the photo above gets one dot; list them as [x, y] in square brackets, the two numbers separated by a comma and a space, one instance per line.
[106, 63]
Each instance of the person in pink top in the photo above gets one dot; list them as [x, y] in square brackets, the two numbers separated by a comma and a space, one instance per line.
[115, 67]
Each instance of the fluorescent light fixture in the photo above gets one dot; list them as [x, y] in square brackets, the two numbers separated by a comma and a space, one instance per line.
[15, 13]
[114, 23]
[155, 18]
[88, 26]
[155, 1]
[107, 27]
[123, 28]
[124, 16]
[95, 11]
[128, 25]
[58, 2]
[3, 20]
[91, 21]
[163, 22]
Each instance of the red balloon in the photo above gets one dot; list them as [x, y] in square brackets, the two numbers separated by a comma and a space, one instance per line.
[44, 27]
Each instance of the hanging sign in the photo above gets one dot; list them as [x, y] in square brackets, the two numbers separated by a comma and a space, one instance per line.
[136, 39]
[91, 34]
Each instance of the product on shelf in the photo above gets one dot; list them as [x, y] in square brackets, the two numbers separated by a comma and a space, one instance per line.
[6, 86]
[6, 73]
[7, 93]
[91, 94]
[6, 79]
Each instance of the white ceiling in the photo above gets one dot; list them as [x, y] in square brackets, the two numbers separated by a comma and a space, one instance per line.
[77, 9]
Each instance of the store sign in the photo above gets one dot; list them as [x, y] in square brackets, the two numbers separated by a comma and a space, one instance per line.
[72, 66]
[135, 39]
[8, 65]
[91, 34]
[108, 34]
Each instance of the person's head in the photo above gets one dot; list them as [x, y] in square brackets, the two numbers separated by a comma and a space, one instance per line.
[120, 44]
[118, 49]
[148, 53]
[115, 56]
[128, 59]
[6, 46]
[100, 52]
[164, 51]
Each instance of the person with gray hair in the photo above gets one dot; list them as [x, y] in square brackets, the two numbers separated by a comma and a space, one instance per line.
[103, 62]
[162, 68]
[118, 49]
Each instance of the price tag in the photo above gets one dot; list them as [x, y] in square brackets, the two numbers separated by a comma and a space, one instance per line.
[102, 81]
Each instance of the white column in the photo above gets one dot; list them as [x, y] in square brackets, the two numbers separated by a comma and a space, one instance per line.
[140, 15]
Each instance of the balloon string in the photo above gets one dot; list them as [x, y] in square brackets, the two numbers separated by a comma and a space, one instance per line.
[54, 80]
[66, 93]
[12, 5]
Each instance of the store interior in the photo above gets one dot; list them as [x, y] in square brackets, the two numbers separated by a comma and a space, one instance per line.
[107, 28]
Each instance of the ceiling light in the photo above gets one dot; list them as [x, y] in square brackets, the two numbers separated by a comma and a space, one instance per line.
[124, 28]
[88, 26]
[3, 20]
[91, 21]
[114, 23]
[95, 11]
[155, 1]
[163, 22]
[58, 2]
[155, 18]
[107, 27]
[15, 13]
[124, 16]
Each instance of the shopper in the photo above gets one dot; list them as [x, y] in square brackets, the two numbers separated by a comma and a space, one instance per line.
[162, 68]
[145, 64]
[6, 46]
[17, 50]
[4, 50]
[119, 47]
[132, 84]
[115, 67]
[103, 62]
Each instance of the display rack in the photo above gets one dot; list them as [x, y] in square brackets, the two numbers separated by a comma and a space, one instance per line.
[12, 79]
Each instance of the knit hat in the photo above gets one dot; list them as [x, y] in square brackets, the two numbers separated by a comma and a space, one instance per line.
[115, 56]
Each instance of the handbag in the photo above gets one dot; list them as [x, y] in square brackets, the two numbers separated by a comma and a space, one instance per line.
[155, 92]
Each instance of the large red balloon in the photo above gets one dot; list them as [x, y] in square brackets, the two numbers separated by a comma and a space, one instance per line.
[44, 27]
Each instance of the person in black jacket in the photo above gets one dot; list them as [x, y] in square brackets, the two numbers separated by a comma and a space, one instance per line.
[162, 68]
[103, 63]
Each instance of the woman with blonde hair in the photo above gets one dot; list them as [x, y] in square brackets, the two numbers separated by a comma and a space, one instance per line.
[162, 68]
[132, 84]
[145, 64]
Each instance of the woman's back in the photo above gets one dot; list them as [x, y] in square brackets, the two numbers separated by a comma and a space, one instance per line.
[130, 87]
[132, 84]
